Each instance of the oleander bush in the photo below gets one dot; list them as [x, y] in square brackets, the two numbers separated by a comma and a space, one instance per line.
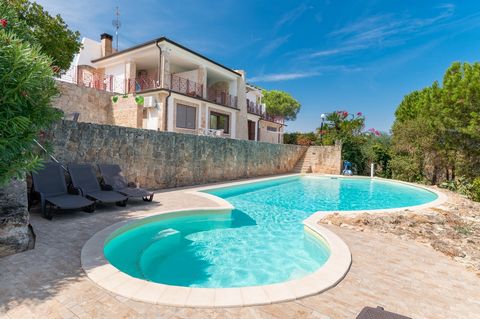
[26, 89]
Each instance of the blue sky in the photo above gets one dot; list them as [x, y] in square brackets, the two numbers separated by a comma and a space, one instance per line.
[362, 55]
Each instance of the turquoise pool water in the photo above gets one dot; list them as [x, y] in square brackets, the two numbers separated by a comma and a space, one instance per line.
[262, 241]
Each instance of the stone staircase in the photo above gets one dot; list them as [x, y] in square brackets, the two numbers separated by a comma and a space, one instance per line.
[304, 164]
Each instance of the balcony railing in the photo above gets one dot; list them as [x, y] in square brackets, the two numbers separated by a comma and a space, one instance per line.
[90, 77]
[273, 118]
[221, 97]
[142, 83]
[184, 86]
[254, 108]
[257, 109]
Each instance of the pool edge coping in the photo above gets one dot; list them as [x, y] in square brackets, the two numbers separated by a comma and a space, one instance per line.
[105, 275]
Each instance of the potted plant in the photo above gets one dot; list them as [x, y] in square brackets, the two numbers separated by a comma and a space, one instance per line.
[139, 99]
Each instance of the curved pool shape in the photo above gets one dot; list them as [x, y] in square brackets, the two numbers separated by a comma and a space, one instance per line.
[262, 241]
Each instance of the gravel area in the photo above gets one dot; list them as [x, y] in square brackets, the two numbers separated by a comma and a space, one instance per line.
[453, 228]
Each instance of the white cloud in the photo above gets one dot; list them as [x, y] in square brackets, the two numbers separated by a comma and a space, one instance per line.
[276, 77]
[336, 51]
[273, 45]
[382, 30]
[291, 16]
[376, 29]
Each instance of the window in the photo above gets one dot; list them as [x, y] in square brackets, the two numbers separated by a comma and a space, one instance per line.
[271, 129]
[186, 116]
[219, 121]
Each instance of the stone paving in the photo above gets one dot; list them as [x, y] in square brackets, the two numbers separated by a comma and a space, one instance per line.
[399, 274]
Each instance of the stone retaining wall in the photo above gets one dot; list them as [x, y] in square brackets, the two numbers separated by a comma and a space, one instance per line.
[326, 159]
[156, 159]
[94, 106]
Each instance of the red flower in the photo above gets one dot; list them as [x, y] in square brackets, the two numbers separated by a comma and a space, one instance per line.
[3, 22]
[345, 114]
[377, 133]
[359, 113]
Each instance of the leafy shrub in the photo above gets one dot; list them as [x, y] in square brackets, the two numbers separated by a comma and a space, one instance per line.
[475, 190]
[26, 89]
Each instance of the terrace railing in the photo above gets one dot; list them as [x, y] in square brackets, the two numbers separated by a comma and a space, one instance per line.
[221, 97]
[257, 109]
[254, 108]
[273, 118]
[90, 77]
[143, 83]
[184, 86]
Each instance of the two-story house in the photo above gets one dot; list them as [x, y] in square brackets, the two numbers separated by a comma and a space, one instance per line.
[183, 90]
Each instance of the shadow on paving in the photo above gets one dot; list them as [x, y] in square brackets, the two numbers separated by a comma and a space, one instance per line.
[54, 264]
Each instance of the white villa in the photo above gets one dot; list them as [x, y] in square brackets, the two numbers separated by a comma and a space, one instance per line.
[183, 90]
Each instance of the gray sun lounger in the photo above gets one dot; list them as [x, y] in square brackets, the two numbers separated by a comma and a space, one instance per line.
[84, 179]
[114, 178]
[50, 183]
[378, 313]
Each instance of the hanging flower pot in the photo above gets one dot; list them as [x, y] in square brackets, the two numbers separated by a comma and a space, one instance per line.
[115, 98]
[139, 99]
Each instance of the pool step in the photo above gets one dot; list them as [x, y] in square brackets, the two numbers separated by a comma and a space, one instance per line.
[304, 164]
[164, 243]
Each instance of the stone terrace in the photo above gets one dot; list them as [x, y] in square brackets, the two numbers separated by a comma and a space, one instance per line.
[397, 273]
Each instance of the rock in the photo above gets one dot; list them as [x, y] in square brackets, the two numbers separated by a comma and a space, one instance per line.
[14, 219]
[447, 249]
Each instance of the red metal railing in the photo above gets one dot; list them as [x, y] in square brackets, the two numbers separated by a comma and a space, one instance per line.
[221, 97]
[185, 86]
[142, 83]
[89, 77]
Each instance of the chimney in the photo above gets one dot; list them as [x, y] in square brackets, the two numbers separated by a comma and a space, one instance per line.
[106, 44]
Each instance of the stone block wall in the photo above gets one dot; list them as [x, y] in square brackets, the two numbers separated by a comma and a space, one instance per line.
[94, 105]
[157, 159]
[326, 159]
[126, 112]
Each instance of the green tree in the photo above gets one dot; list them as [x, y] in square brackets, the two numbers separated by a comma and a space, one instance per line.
[26, 89]
[377, 150]
[282, 104]
[436, 133]
[348, 129]
[31, 23]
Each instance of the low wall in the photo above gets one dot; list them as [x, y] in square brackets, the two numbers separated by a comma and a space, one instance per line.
[165, 159]
[94, 106]
[326, 159]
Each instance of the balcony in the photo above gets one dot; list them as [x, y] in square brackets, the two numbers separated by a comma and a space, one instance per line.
[254, 108]
[221, 97]
[258, 109]
[184, 86]
[90, 77]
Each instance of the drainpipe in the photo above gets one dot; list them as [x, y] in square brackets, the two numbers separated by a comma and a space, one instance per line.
[160, 80]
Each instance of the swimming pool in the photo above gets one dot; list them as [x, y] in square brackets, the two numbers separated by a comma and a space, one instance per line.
[262, 241]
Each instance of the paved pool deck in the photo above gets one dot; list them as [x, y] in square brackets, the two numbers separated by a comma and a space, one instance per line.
[401, 275]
